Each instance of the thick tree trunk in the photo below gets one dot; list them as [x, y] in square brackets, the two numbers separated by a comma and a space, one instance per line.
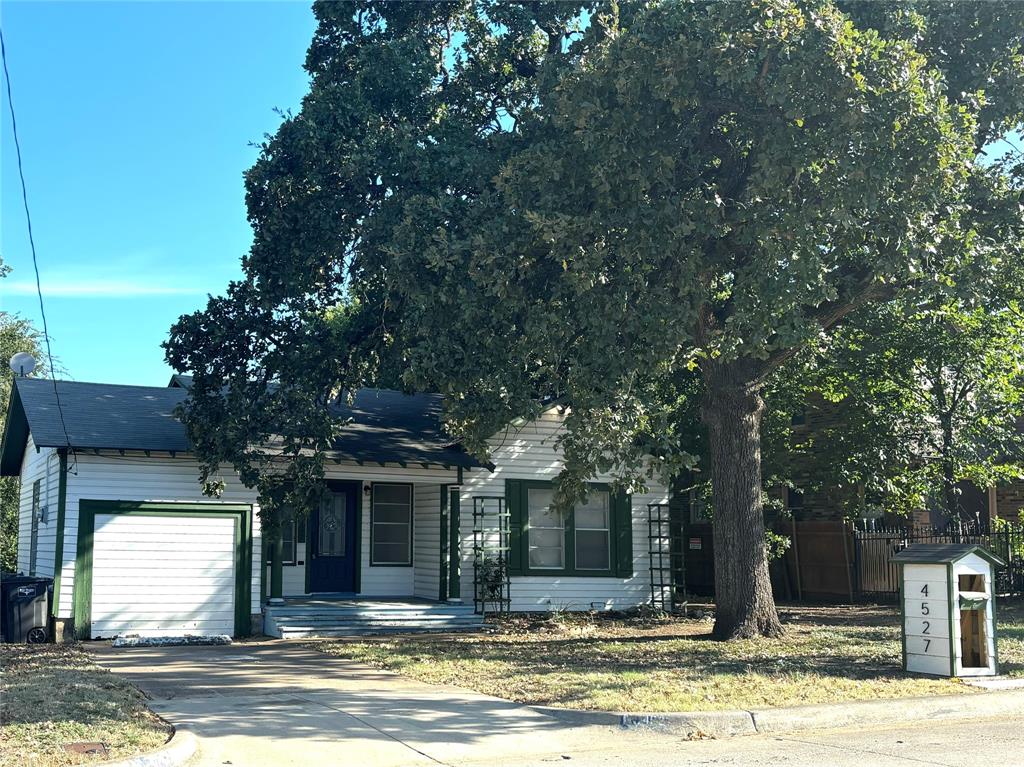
[732, 408]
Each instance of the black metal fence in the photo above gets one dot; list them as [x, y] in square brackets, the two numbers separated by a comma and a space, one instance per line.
[875, 577]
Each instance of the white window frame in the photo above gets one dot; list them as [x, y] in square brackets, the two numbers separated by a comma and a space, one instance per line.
[607, 530]
[374, 562]
[530, 527]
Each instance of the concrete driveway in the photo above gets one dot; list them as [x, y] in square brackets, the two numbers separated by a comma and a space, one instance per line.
[279, 703]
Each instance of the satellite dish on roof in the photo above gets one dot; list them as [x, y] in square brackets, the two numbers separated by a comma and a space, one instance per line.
[23, 364]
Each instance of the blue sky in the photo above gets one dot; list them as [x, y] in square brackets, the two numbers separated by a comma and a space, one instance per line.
[135, 121]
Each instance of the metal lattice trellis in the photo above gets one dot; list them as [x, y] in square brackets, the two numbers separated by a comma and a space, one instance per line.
[491, 550]
[664, 539]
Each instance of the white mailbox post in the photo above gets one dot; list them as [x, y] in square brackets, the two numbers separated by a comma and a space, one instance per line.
[948, 605]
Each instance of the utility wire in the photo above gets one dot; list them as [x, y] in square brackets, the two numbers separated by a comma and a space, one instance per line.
[32, 242]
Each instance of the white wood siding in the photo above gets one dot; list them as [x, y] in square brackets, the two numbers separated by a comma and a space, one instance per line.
[42, 465]
[163, 576]
[138, 478]
[530, 452]
[427, 541]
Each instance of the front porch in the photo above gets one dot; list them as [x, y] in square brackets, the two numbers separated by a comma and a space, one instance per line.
[320, 616]
[385, 539]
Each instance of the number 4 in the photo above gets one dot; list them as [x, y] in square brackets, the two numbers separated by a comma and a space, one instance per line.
[924, 590]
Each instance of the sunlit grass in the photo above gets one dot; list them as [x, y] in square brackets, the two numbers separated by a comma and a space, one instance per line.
[596, 662]
[52, 695]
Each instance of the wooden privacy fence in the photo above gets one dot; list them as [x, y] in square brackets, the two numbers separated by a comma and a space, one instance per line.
[833, 560]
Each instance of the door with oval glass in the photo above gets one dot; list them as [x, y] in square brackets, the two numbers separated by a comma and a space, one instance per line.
[333, 532]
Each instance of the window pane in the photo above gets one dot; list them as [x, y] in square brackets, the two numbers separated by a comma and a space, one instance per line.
[546, 557]
[541, 513]
[391, 533]
[546, 533]
[392, 524]
[592, 550]
[332, 526]
[594, 513]
[287, 543]
[546, 538]
[390, 553]
[399, 494]
[393, 514]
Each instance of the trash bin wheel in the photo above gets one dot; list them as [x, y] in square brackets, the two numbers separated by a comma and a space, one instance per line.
[36, 635]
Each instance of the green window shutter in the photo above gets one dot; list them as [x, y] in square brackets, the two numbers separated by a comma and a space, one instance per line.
[515, 499]
[622, 519]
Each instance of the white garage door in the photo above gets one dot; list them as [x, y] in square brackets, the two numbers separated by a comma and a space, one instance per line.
[163, 575]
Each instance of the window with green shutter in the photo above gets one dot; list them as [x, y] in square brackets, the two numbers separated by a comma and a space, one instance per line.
[594, 539]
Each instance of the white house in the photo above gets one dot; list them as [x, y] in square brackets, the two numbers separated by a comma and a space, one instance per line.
[112, 509]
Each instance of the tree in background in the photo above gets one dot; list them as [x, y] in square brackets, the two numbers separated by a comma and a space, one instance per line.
[16, 335]
[599, 203]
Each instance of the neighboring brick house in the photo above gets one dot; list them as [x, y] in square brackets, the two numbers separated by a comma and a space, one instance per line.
[1009, 502]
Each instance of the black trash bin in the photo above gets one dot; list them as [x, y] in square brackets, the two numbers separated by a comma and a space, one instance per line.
[25, 608]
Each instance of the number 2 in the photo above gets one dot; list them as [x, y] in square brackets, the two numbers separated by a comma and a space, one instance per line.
[926, 625]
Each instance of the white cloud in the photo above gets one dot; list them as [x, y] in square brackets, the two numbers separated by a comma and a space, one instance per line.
[98, 288]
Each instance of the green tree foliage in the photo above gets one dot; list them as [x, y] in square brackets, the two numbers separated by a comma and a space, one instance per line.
[16, 335]
[638, 209]
[919, 399]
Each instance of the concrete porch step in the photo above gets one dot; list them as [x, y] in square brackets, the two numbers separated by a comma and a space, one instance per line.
[322, 616]
[319, 617]
[287, 632]
[282, 612]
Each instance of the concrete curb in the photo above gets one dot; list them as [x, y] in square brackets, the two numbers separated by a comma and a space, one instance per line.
[727, 724]
[175, 752]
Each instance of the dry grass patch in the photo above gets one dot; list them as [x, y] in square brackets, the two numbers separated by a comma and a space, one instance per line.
[671, 664]
[52, 695]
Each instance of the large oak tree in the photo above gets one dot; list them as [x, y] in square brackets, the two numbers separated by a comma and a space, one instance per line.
[511, 203]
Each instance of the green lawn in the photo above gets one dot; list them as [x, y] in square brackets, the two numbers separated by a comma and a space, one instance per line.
[53, 695]
[599, 662]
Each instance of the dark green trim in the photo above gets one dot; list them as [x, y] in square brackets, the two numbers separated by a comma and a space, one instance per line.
[15, 437]
[518, 555]
[454, 543]
[309, 538]
[443, 547]
[87, 511]
[412, 524]
[276, 564]
[58, 553]
[620, 533]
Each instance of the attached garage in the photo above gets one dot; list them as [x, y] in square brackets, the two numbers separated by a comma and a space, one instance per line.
[162, 569]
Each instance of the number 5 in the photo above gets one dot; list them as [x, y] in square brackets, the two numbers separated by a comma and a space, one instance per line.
[924, 609]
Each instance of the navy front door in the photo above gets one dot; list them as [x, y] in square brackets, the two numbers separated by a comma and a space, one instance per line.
[332, 540]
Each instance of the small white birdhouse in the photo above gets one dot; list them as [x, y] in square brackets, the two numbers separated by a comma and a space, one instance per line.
[947, 596]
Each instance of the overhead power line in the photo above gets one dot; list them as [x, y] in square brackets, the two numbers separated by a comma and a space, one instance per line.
[32, 241]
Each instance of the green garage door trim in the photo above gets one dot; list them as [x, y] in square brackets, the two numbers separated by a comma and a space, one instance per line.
[87, 511]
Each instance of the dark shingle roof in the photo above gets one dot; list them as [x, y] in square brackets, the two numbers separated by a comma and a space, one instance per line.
[942, 553]
[386, 425]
